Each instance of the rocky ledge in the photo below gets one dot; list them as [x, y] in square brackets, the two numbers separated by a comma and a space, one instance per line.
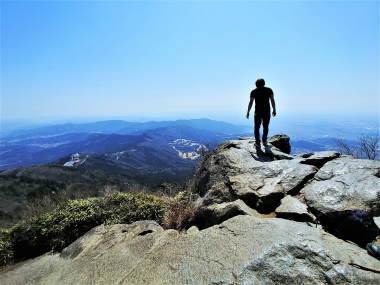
[338, 192]
[262, 216]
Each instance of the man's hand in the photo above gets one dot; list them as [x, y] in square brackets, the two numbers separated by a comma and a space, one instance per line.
[274, 113]
[250, 105]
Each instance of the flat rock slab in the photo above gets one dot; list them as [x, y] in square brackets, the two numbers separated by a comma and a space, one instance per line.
[242, 250]
[318, 159]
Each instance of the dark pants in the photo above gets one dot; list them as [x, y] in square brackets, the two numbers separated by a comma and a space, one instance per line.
[261, 118]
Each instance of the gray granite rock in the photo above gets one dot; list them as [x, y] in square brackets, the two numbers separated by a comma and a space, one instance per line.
[282, 142]
[377, 221]
[242, 250]
[345, 196]
[318, 159]
[192, 230]
[293, 209]
[238, 170]
[345, 184]
[217, 213]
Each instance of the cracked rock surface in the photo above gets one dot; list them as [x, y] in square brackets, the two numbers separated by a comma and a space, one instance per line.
[345, 184]
[343, 193]
[260, 177]
[345, 197]
[241, 250]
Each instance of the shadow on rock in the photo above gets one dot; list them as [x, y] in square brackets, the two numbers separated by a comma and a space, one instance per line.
[354, 225]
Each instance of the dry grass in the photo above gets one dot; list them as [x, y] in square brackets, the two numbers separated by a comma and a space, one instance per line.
[180, 212]
[270, 215]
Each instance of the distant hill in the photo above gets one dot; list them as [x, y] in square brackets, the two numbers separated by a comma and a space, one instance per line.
[124, 127]
[20, 186]
[306, 146]
[47, 144]
[146, 154]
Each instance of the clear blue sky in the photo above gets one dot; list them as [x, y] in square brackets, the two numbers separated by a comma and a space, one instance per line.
[187, 59]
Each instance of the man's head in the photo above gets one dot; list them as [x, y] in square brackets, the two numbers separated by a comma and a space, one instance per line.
[260, 82]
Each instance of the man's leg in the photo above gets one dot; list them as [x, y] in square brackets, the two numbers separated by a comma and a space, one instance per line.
[266, 119]
[257, 128]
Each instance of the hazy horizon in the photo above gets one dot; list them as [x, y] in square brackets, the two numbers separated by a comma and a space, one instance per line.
[187, 59]
[283, 123]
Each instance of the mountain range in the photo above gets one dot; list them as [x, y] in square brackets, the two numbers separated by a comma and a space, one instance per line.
[152, 142]
[160, 139]
[112, 155]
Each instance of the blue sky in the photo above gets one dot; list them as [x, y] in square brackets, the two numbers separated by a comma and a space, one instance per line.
[187, 59]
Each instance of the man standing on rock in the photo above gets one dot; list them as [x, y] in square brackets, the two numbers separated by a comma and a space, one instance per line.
[261, 95]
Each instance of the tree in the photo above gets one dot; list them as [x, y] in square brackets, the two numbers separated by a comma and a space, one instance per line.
[369, 146]
[345, 148]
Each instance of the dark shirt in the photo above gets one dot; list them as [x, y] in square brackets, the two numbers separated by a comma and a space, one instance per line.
[262, 96]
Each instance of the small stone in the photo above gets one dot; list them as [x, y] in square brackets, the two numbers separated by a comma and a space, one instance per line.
[192, 230]
[281, 141]
[292, 209]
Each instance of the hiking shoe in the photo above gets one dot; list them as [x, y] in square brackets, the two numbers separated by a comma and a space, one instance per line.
[265, 143]
[373, 250]
[257, 144]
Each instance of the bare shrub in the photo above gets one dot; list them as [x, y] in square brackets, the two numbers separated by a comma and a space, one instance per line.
[52, 201]
[108, 190]
[345, 148]
[180, 212]
[369, 146]
[136, 188]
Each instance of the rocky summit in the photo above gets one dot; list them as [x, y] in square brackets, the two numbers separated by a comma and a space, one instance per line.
[262, 216]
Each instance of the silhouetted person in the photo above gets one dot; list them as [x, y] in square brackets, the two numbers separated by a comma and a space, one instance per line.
[261, 95]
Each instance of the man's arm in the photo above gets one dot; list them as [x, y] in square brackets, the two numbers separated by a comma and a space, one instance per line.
[273, 104]
[252, 98]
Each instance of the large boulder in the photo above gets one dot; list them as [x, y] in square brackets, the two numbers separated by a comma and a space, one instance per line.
[345, 196]
[282, 142]
[241, 250]
[261, 178]
[264, 186]
[345, 184]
